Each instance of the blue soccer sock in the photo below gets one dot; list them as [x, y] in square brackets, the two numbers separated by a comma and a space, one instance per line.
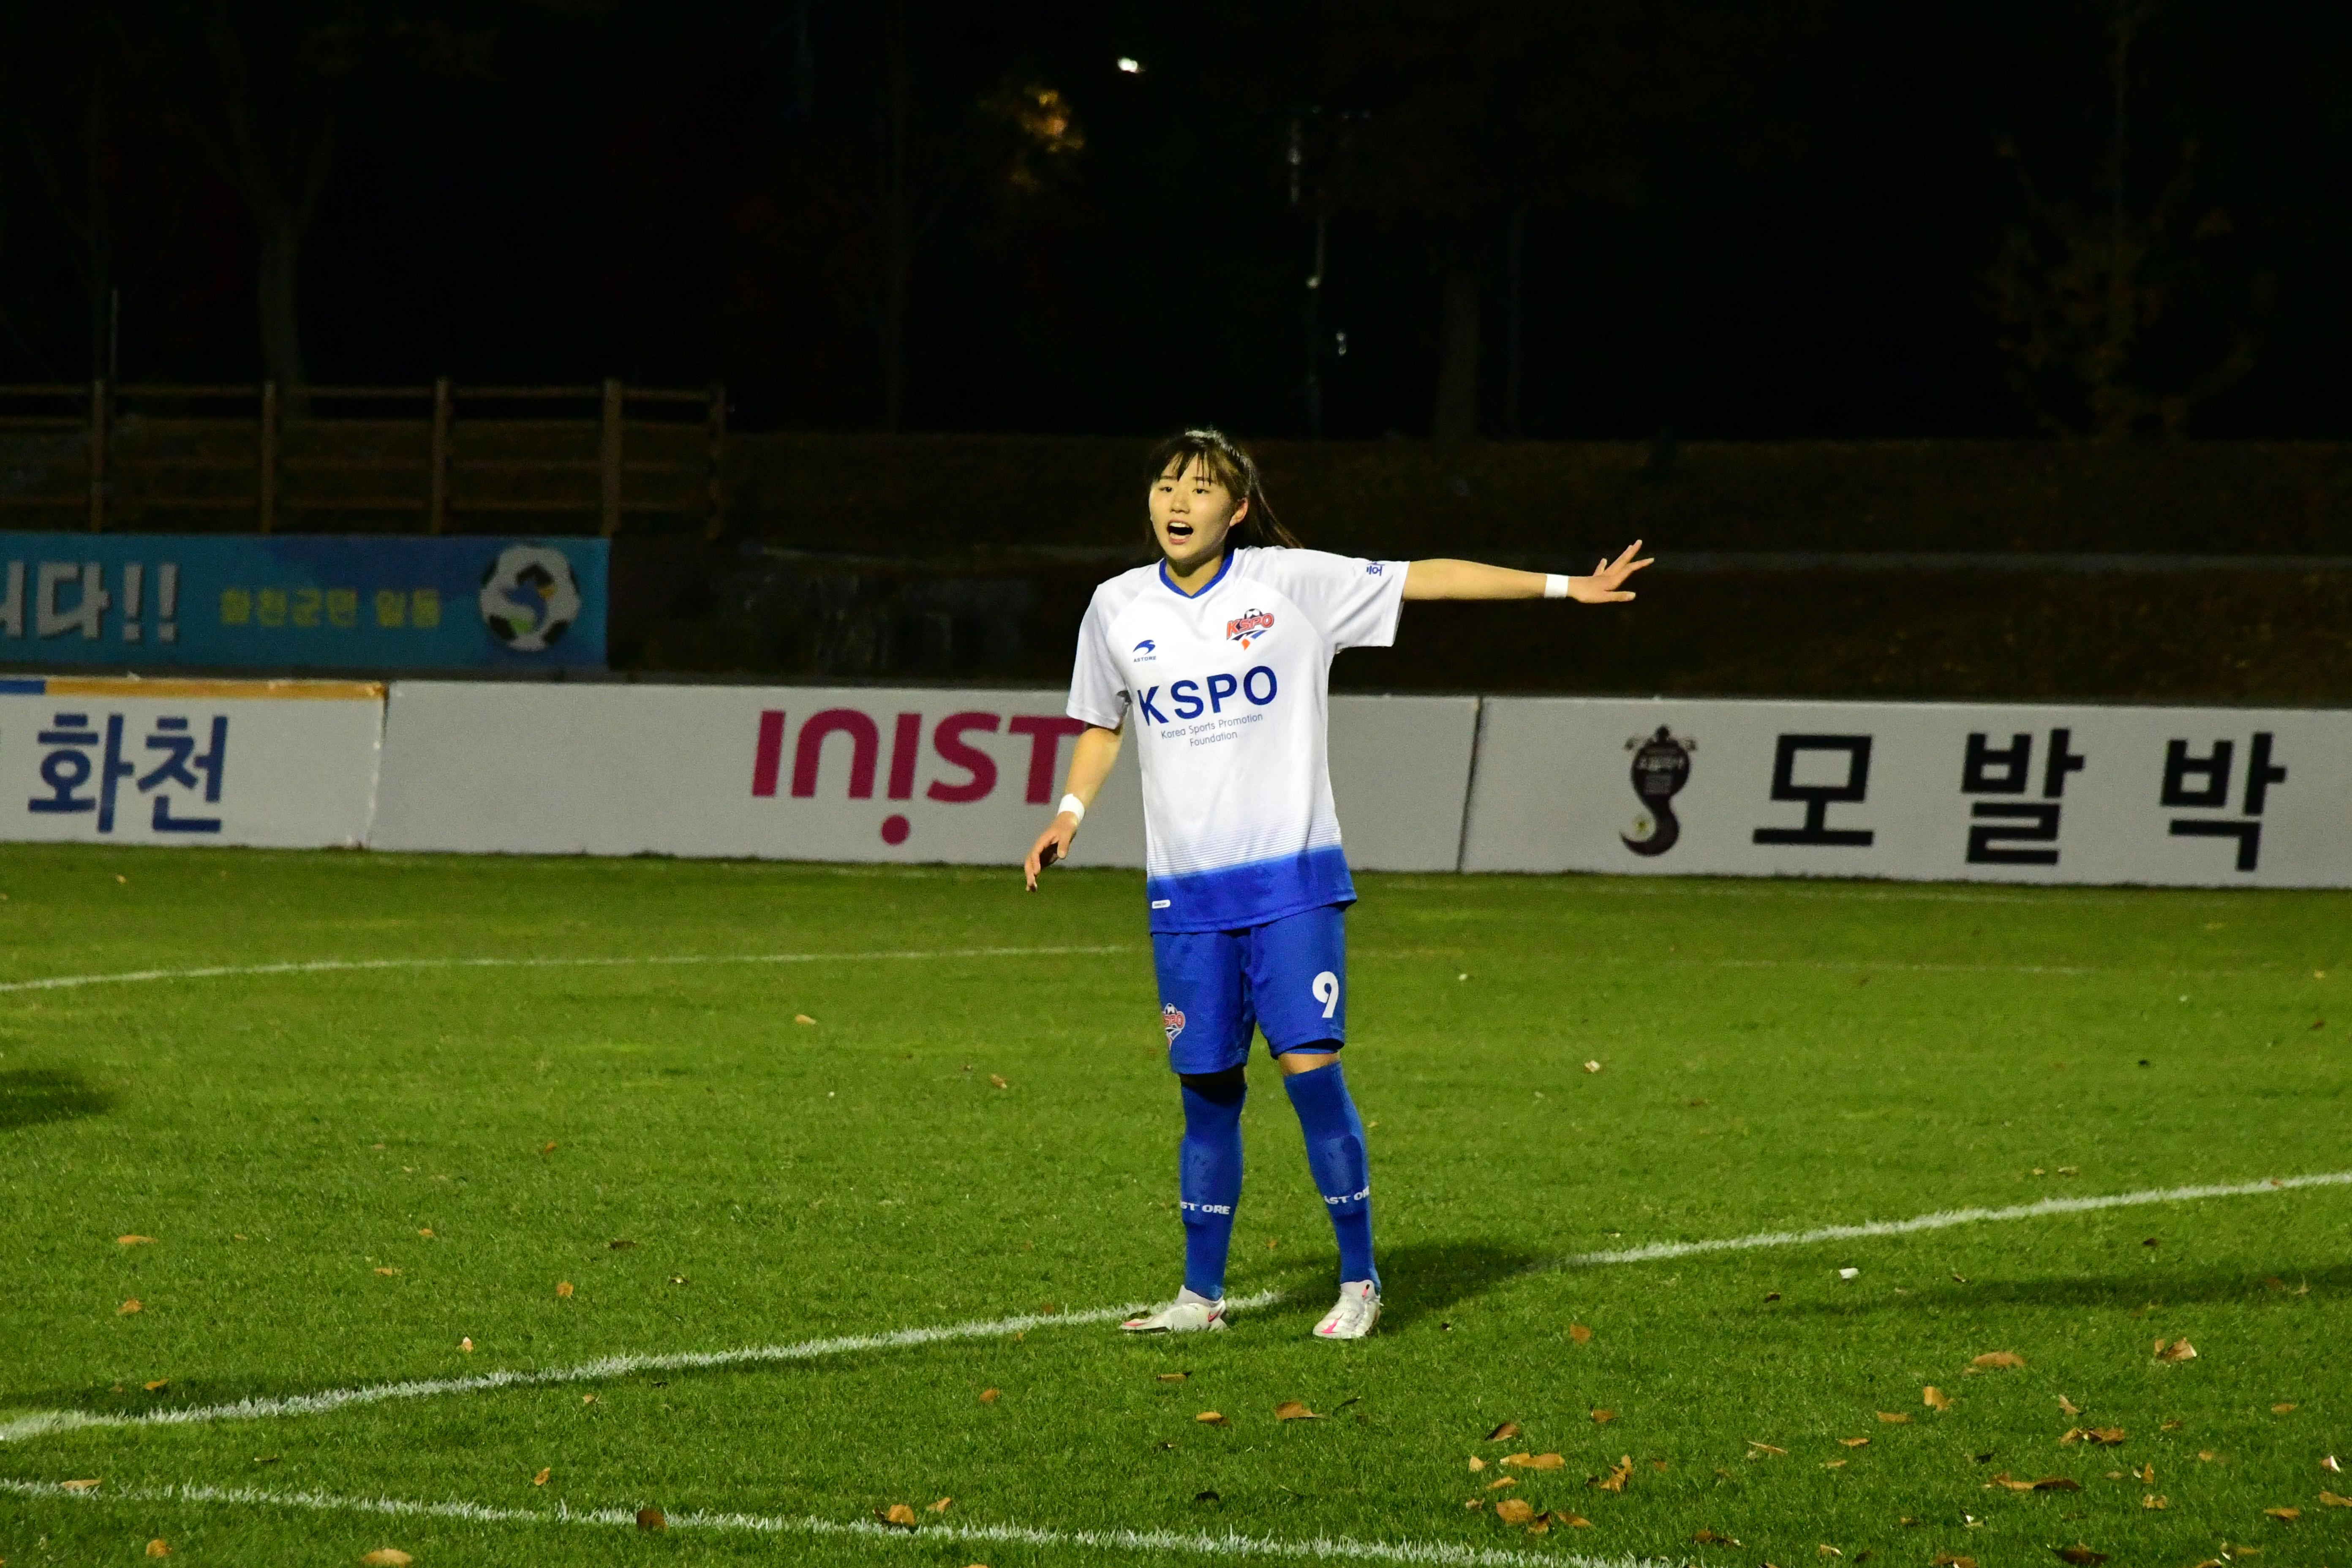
[1334, 1155]
[1209, 1176]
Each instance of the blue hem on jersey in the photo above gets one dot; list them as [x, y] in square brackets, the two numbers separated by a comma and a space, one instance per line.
[1251, 894]
[1170, 582]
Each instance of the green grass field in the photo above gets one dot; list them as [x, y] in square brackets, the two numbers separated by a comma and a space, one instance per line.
[1773, 1057]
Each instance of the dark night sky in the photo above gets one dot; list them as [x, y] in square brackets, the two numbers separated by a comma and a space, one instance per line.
[1782, 219]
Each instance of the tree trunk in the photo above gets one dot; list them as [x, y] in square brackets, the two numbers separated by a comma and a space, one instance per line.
[280, 234]
[1457, 355]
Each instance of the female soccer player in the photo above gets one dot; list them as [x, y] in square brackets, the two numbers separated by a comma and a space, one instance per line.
[1223, 652]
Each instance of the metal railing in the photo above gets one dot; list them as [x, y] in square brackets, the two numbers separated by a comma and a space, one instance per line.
[436, 495]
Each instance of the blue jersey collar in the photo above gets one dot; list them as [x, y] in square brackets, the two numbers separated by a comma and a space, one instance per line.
[1223, 568]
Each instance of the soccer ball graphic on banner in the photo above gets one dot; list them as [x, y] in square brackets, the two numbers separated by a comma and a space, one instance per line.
[529, 596]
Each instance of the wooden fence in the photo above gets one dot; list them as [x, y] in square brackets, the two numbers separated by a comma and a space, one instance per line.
[390, 459]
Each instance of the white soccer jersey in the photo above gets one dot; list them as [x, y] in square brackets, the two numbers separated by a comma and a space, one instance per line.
[1229, 692]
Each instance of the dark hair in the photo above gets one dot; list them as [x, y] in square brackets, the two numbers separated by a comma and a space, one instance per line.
[1231, 467]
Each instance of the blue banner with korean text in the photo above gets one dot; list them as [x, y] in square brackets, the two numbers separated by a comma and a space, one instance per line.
[285, 602]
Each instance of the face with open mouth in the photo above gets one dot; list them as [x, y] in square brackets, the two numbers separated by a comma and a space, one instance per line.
[1191, 513]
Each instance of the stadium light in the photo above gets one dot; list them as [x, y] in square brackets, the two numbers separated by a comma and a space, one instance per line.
[1130, 65]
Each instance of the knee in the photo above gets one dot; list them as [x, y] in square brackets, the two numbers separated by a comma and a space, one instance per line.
[1222, 1089]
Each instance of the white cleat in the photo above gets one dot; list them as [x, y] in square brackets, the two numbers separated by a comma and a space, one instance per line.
[1189, 1313]
[1354, 1317]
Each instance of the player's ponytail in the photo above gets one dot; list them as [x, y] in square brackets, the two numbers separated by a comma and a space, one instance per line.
[1236, 470]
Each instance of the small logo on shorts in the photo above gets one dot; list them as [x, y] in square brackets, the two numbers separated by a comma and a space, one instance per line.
[1252, 626]
[1171, 1020]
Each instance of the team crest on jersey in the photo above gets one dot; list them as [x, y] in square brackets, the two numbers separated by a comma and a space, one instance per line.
[1172, 1019]
[1253, 624]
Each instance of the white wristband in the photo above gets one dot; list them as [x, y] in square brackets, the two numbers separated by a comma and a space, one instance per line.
[1073, 806]
[1555, 585]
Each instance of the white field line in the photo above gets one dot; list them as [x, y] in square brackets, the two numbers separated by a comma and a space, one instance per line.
[1947, 1219]
[346, 965]
[39, 1423]
[1321, 1547]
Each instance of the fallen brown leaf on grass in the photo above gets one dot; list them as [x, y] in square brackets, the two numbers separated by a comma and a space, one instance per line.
[81, 1486]
[1505, 1481]
[652, 1519]
[2330, 1464]
[563, 1290]
[1533, 1461]
[1579, 1333]
[382, 1270]
[1603, 1417]
[1593, 1067]
[2080, 1555]
[1476, 1464]
[387, 1557]
[2097, 1437]
[1855, 1442]
[803, 1018]
[2152, 1502]
[1826, 1550]
[1935, 1398]
[1833, 1464]
[2282, 1409]
[2289, 1514]
[1515, 1510]
[990, 1395]
[1946, 1560]
[160, 1383]
[1573, 1520]
[1505, 1433]
[1211, 1419]
[1765, 1446]
[2143, 1472]
[588, 1399]
[2173, 1425]
[2329, 1499]
[1895, 1418]
[1710, 1538]
[540, 1479]
[1474, 1504]
[1992, 1360]
[998, 1081]
[941, 1506]
[547, 1148]
[2178, 1350]
[134, 1241]
[132, 1305]
[467, 1345]
[898, 1514]
[2068, 1406]
[1619, 1474]
[1294, 1410]
[159, 1547]
[2208, 1455]
[1173, 1376]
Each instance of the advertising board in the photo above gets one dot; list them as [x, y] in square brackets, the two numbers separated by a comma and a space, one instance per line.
[302, 600]
[843, 773]
[2187, 796]
[286, 764]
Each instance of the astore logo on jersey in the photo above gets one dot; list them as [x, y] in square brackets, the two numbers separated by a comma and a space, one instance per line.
[1146, 651]
[1254, 624]
[1257, 688]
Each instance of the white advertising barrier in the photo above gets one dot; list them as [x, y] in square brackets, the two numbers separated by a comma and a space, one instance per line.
[2186, 796]
[284, 763]
[842, 774]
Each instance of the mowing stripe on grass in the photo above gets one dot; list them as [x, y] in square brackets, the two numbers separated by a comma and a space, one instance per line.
[38, 1423]
[344, 965]
[1946, 1219]
[1321, 1547]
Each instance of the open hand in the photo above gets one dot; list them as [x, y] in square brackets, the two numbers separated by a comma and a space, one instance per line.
[1604, 587]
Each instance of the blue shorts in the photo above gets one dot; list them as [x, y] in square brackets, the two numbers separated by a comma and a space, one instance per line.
[1288, 978]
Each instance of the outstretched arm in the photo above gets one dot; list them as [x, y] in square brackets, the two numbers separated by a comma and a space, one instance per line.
[1469, 580]
[1090, 763]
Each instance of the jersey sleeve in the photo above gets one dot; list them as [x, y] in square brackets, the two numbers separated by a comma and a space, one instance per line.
[1355, 603]
[1098, 695]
